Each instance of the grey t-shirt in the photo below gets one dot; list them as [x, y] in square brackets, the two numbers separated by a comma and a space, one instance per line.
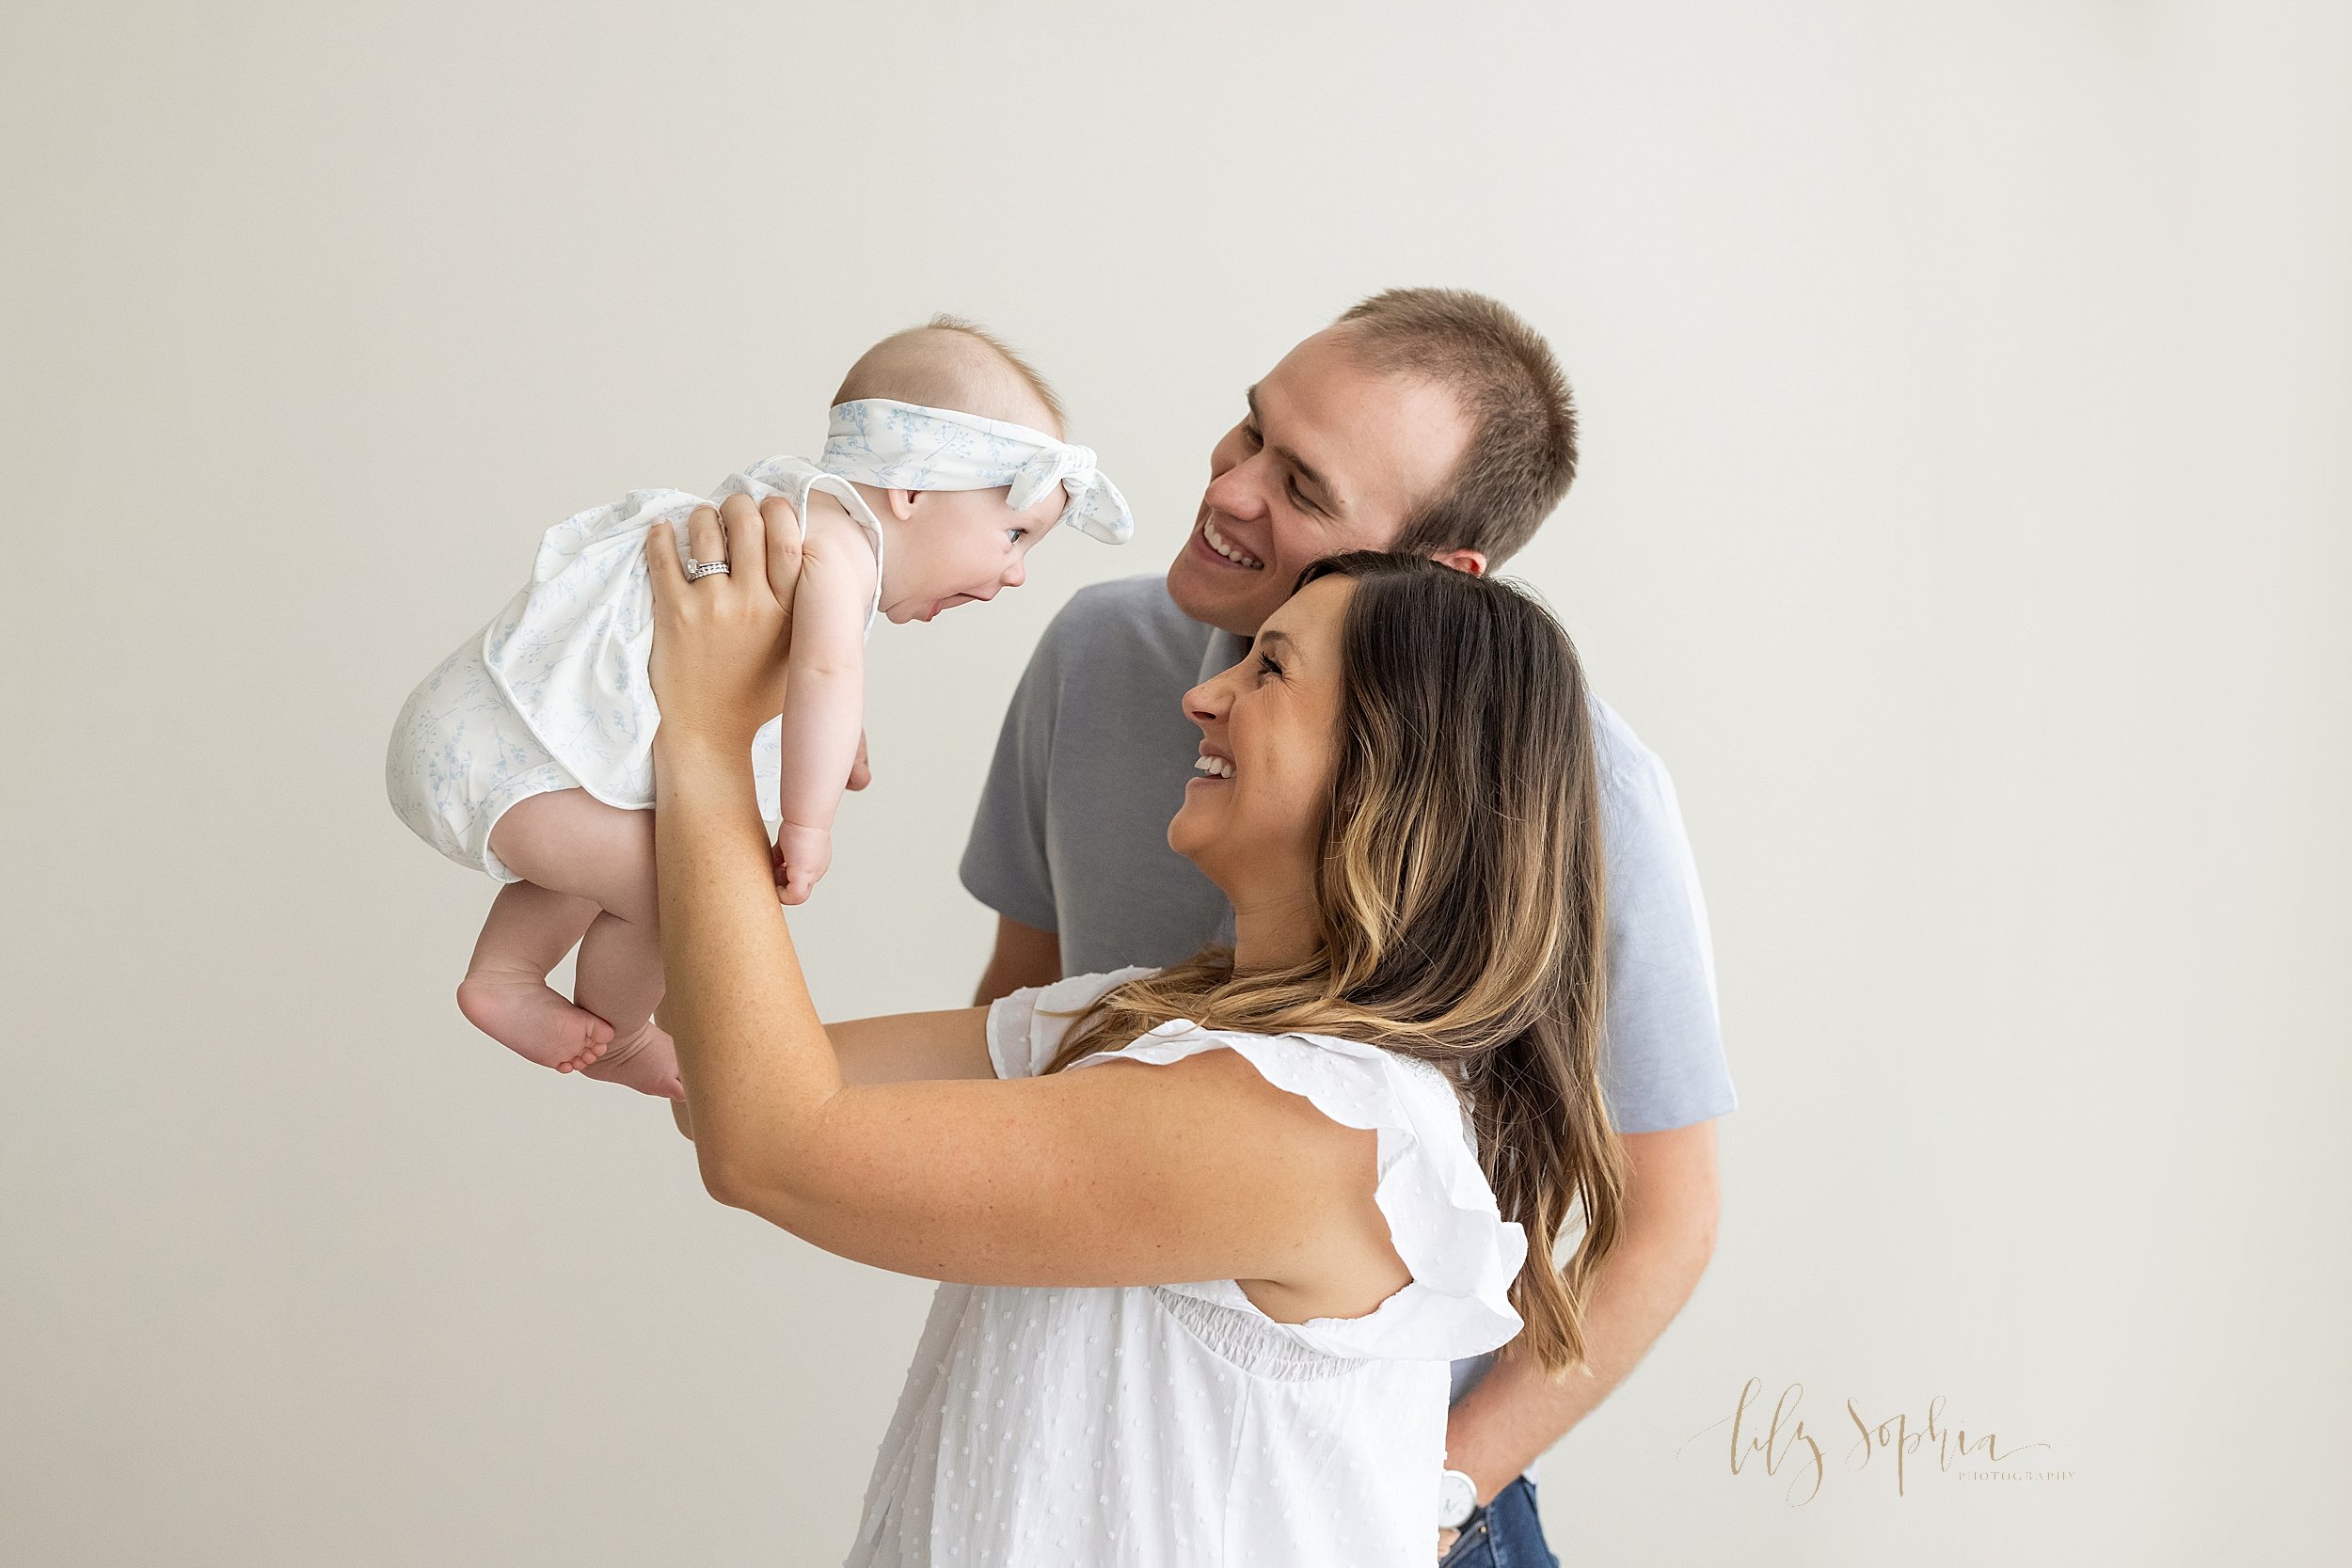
[1072, 837]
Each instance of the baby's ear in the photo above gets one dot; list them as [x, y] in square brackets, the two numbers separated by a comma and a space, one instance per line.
[902, 504]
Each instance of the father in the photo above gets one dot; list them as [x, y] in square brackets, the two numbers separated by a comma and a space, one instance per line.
[1427, 419]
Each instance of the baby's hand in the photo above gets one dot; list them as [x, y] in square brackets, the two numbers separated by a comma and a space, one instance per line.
[803, 855]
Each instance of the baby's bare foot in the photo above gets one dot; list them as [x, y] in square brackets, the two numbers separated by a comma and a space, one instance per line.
[522, 1014]
[646, 1061]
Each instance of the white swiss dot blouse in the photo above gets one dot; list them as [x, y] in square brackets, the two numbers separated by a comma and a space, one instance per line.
[1169, 1425]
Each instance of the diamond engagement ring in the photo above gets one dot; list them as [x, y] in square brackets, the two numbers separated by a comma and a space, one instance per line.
[703, 568]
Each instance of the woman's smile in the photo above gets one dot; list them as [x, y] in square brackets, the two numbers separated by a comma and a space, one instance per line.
[1269, 720]
[1213, 766]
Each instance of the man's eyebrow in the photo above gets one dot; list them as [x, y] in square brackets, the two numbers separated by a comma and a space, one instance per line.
[1330, 497]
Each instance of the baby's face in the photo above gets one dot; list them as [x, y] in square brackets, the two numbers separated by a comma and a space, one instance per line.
[959, 545]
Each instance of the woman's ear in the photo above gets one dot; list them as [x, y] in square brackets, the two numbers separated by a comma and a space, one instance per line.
[902, 504]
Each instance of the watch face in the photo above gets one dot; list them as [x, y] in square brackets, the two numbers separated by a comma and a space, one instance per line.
[1457, 1495]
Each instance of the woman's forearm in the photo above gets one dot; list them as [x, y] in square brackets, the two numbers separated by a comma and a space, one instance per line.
[754, 1056]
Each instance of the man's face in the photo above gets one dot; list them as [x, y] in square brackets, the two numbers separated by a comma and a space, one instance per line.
[1329, 456]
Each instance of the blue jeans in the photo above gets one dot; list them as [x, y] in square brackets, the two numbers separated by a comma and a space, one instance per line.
[1505, 1534]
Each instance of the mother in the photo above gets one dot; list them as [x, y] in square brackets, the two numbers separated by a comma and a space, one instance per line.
[1397, 796]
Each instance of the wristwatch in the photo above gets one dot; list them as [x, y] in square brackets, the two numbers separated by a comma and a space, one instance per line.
[1457, 1499]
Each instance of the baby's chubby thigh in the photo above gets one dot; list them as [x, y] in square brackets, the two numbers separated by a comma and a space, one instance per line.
[568, 840]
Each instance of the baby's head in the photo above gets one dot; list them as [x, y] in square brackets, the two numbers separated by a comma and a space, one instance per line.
[941, 428]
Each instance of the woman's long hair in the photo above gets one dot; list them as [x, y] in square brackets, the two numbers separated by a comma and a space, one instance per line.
[1462, 907]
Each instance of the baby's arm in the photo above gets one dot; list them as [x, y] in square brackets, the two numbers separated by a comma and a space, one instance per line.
[825, 707]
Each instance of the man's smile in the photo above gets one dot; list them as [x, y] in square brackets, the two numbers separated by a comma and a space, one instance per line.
[1214, 544]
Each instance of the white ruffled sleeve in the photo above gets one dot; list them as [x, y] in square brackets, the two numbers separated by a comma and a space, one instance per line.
[1026, 1028]
[1442, 1214]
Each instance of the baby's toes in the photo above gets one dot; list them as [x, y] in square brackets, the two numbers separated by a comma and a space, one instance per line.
[596, 1038]
[586, 1055]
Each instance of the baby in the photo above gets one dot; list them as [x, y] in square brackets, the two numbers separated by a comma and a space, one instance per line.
[529, 752]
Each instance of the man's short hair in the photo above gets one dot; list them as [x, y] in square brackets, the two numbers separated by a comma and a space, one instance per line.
[1522, 448]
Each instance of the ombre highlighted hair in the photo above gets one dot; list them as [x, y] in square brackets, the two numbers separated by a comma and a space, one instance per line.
[1462, 903]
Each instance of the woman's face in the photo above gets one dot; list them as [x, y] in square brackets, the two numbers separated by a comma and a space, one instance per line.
[1252, 817]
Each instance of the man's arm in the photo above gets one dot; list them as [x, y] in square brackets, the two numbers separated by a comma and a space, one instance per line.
[1505, 1424]
[1662, 1072]
[1024, 956]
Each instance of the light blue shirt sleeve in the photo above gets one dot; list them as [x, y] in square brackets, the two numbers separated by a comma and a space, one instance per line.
[1662, 1050]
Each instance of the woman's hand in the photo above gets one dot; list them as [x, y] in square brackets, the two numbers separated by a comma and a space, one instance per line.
[720, 641]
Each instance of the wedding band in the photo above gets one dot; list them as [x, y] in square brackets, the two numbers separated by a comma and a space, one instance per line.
[703, 568]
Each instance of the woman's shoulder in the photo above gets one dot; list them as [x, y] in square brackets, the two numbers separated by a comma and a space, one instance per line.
[1442, 1213]
[1442, 1216]
[1354, 1083]
[1025, 1029]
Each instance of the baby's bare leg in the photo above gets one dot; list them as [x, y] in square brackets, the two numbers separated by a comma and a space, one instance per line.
[620, 978]
[572, 842]
[506, 993]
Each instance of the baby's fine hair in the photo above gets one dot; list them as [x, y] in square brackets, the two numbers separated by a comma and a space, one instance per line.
[948, 362]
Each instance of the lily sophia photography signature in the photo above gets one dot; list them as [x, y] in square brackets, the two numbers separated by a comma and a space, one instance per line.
[1780, 1442]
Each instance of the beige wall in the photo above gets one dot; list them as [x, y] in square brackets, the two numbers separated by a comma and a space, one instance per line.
[1964, 520]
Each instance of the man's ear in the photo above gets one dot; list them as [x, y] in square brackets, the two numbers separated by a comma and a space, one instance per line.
[1472, 561]
[902, 504]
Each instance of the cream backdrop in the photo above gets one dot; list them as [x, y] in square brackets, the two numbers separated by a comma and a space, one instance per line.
[1963, 519]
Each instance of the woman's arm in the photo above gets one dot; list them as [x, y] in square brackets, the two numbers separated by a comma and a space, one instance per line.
[951, 1044]
[1119, 1174]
